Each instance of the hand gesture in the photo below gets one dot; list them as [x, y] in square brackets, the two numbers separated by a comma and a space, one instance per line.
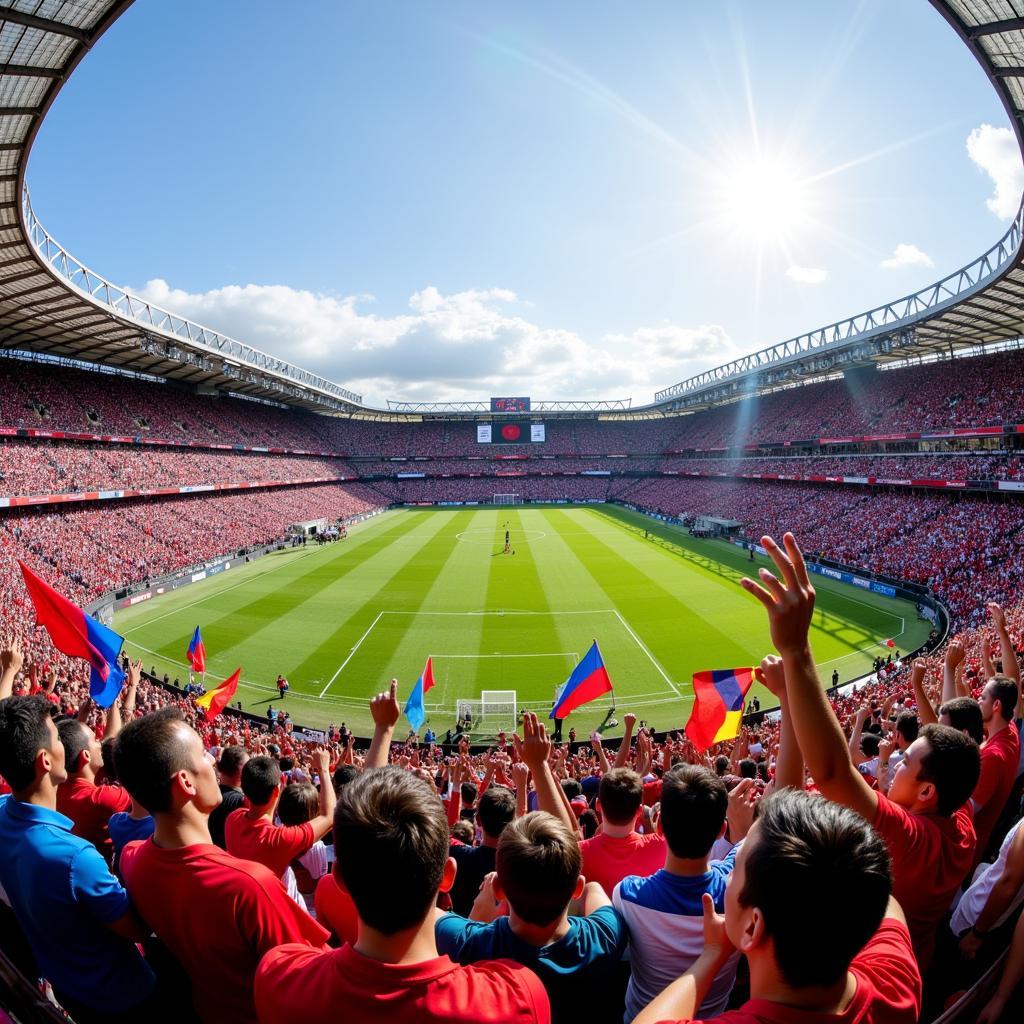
[535, 748]
[629, 720]
[384, 708]
[954, 654]
[487, 907]
[11, 658]
[716, 941]
[595, 741]
[789, 602]
[998, 617]
[885, 749]
[321, 762]
[740, 810]
[863, 713]
[772, 676]
[520, 777]
[919, 671]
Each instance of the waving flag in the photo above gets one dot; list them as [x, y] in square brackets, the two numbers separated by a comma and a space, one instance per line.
[588, 681]
[79, 636]
[718, 705]
[414, 705]
[216, 700]
[197, 652]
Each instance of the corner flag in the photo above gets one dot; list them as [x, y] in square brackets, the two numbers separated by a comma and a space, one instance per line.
[414, 705]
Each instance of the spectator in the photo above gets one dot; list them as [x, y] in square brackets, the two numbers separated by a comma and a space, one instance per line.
[215, 913]
[229, 769]
[495, 809]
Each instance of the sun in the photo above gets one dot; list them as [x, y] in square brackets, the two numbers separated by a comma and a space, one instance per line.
[765, 200]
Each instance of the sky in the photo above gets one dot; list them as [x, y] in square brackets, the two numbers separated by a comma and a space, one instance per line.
[429, 201]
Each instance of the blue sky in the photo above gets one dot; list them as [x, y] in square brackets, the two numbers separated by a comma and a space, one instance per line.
[431, 201]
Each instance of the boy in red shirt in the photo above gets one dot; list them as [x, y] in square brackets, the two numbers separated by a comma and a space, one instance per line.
[618, 849]
[1000, 755]
[923, 819]
[391, 836]
[216, 914]
[250, 832]
[809, 906]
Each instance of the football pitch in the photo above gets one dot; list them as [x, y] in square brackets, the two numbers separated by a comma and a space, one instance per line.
[341, 620]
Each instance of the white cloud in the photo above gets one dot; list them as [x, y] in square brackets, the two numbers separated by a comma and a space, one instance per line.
[996, 152]
[807, 275]
[448, 347]
[905, 255]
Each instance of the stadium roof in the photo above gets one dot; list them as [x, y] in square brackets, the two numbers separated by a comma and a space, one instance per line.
[52, 303]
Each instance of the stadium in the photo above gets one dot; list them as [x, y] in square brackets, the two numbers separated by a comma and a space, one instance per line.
[165, 478]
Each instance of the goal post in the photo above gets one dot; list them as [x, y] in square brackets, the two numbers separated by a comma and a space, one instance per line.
[495, 711]
[506, 499]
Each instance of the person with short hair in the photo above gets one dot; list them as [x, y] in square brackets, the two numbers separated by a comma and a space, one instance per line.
[923, 819]
[76, 915]
[216, 914]
[665, 912]
[618, 849]
[229, 771]
[1000, 755]
[391, 837]
[494, 810]
[810, 908]
[250, 832]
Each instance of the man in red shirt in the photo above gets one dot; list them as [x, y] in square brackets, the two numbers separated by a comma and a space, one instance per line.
[618, 849]
[391, 836]
[216, 914]
[250, 832]
[88, 805]
[923, 819]
[1000, 755]
[809, 906]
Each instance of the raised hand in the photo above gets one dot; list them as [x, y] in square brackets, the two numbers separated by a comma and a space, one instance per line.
[384, 707]
[789, 602]
[535, 748]
[629, 720]
[11, 658]
[772, 676]
[320, 761]
[998, 617]
[520, 776]
[743, 801]
[955, 654]
[716, 941]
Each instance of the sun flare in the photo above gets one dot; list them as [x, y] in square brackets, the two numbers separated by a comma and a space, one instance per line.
[764, 199]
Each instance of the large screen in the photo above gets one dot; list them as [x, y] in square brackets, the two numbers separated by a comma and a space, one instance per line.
[510, 433]
[510, 405]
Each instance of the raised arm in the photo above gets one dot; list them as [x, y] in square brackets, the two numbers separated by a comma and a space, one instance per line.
[858, 730]
[954, 657]
[925, 710]
[628, 721]
[1007, 655]
[598, 747]
[325, 818]
[534, 750]
[789, 603]
[386, 712]
[789, 764]
[11, 661]
[521, 780]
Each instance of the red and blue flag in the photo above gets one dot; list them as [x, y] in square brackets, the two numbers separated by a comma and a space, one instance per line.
[718, 705]
[414, 705]
[197, 652]
[79, 636]
[588, 681]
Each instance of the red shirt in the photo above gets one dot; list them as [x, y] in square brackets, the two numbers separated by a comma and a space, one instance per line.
[217, 915]
[274, 846]
[90, 806]
[888, 989]
[295, 983]
[607, 860]
[931, 856]
[999, 758]
[335, 909]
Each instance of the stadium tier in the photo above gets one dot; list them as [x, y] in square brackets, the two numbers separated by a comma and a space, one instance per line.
[177, 847]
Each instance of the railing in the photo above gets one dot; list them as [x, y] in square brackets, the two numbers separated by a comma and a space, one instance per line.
[889, 318]
[153, 318]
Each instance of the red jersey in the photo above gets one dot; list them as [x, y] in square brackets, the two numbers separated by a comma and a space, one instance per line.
[607, 860]
[295, 983]
[931, 856]
[217, 915]
[335, 909]
[90, 806]
[888, 989]
[274, 846]
[999, 759]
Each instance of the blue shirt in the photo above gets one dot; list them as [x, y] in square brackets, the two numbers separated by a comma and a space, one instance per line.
[63, 894]
[125, 829]
[579, 970]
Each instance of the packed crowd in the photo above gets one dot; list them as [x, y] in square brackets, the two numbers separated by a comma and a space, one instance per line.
[164, 867]
[966, 392]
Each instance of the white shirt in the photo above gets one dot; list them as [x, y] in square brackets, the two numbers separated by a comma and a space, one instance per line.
[973, 901]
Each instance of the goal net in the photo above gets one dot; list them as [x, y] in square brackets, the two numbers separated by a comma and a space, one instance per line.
[507, 499]
[494, 712]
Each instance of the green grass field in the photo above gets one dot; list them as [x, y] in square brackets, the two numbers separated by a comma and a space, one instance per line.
[341, 620]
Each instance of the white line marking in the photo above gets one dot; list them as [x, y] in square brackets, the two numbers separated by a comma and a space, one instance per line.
[350, 654]
[497, 654]
[643, 647]
[507, 611]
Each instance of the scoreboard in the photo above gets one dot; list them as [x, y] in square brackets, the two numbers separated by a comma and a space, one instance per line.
[510, 433]
[510, 405]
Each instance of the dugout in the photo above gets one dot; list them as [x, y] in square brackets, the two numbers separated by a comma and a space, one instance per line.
[712, 526]
[310, 528]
